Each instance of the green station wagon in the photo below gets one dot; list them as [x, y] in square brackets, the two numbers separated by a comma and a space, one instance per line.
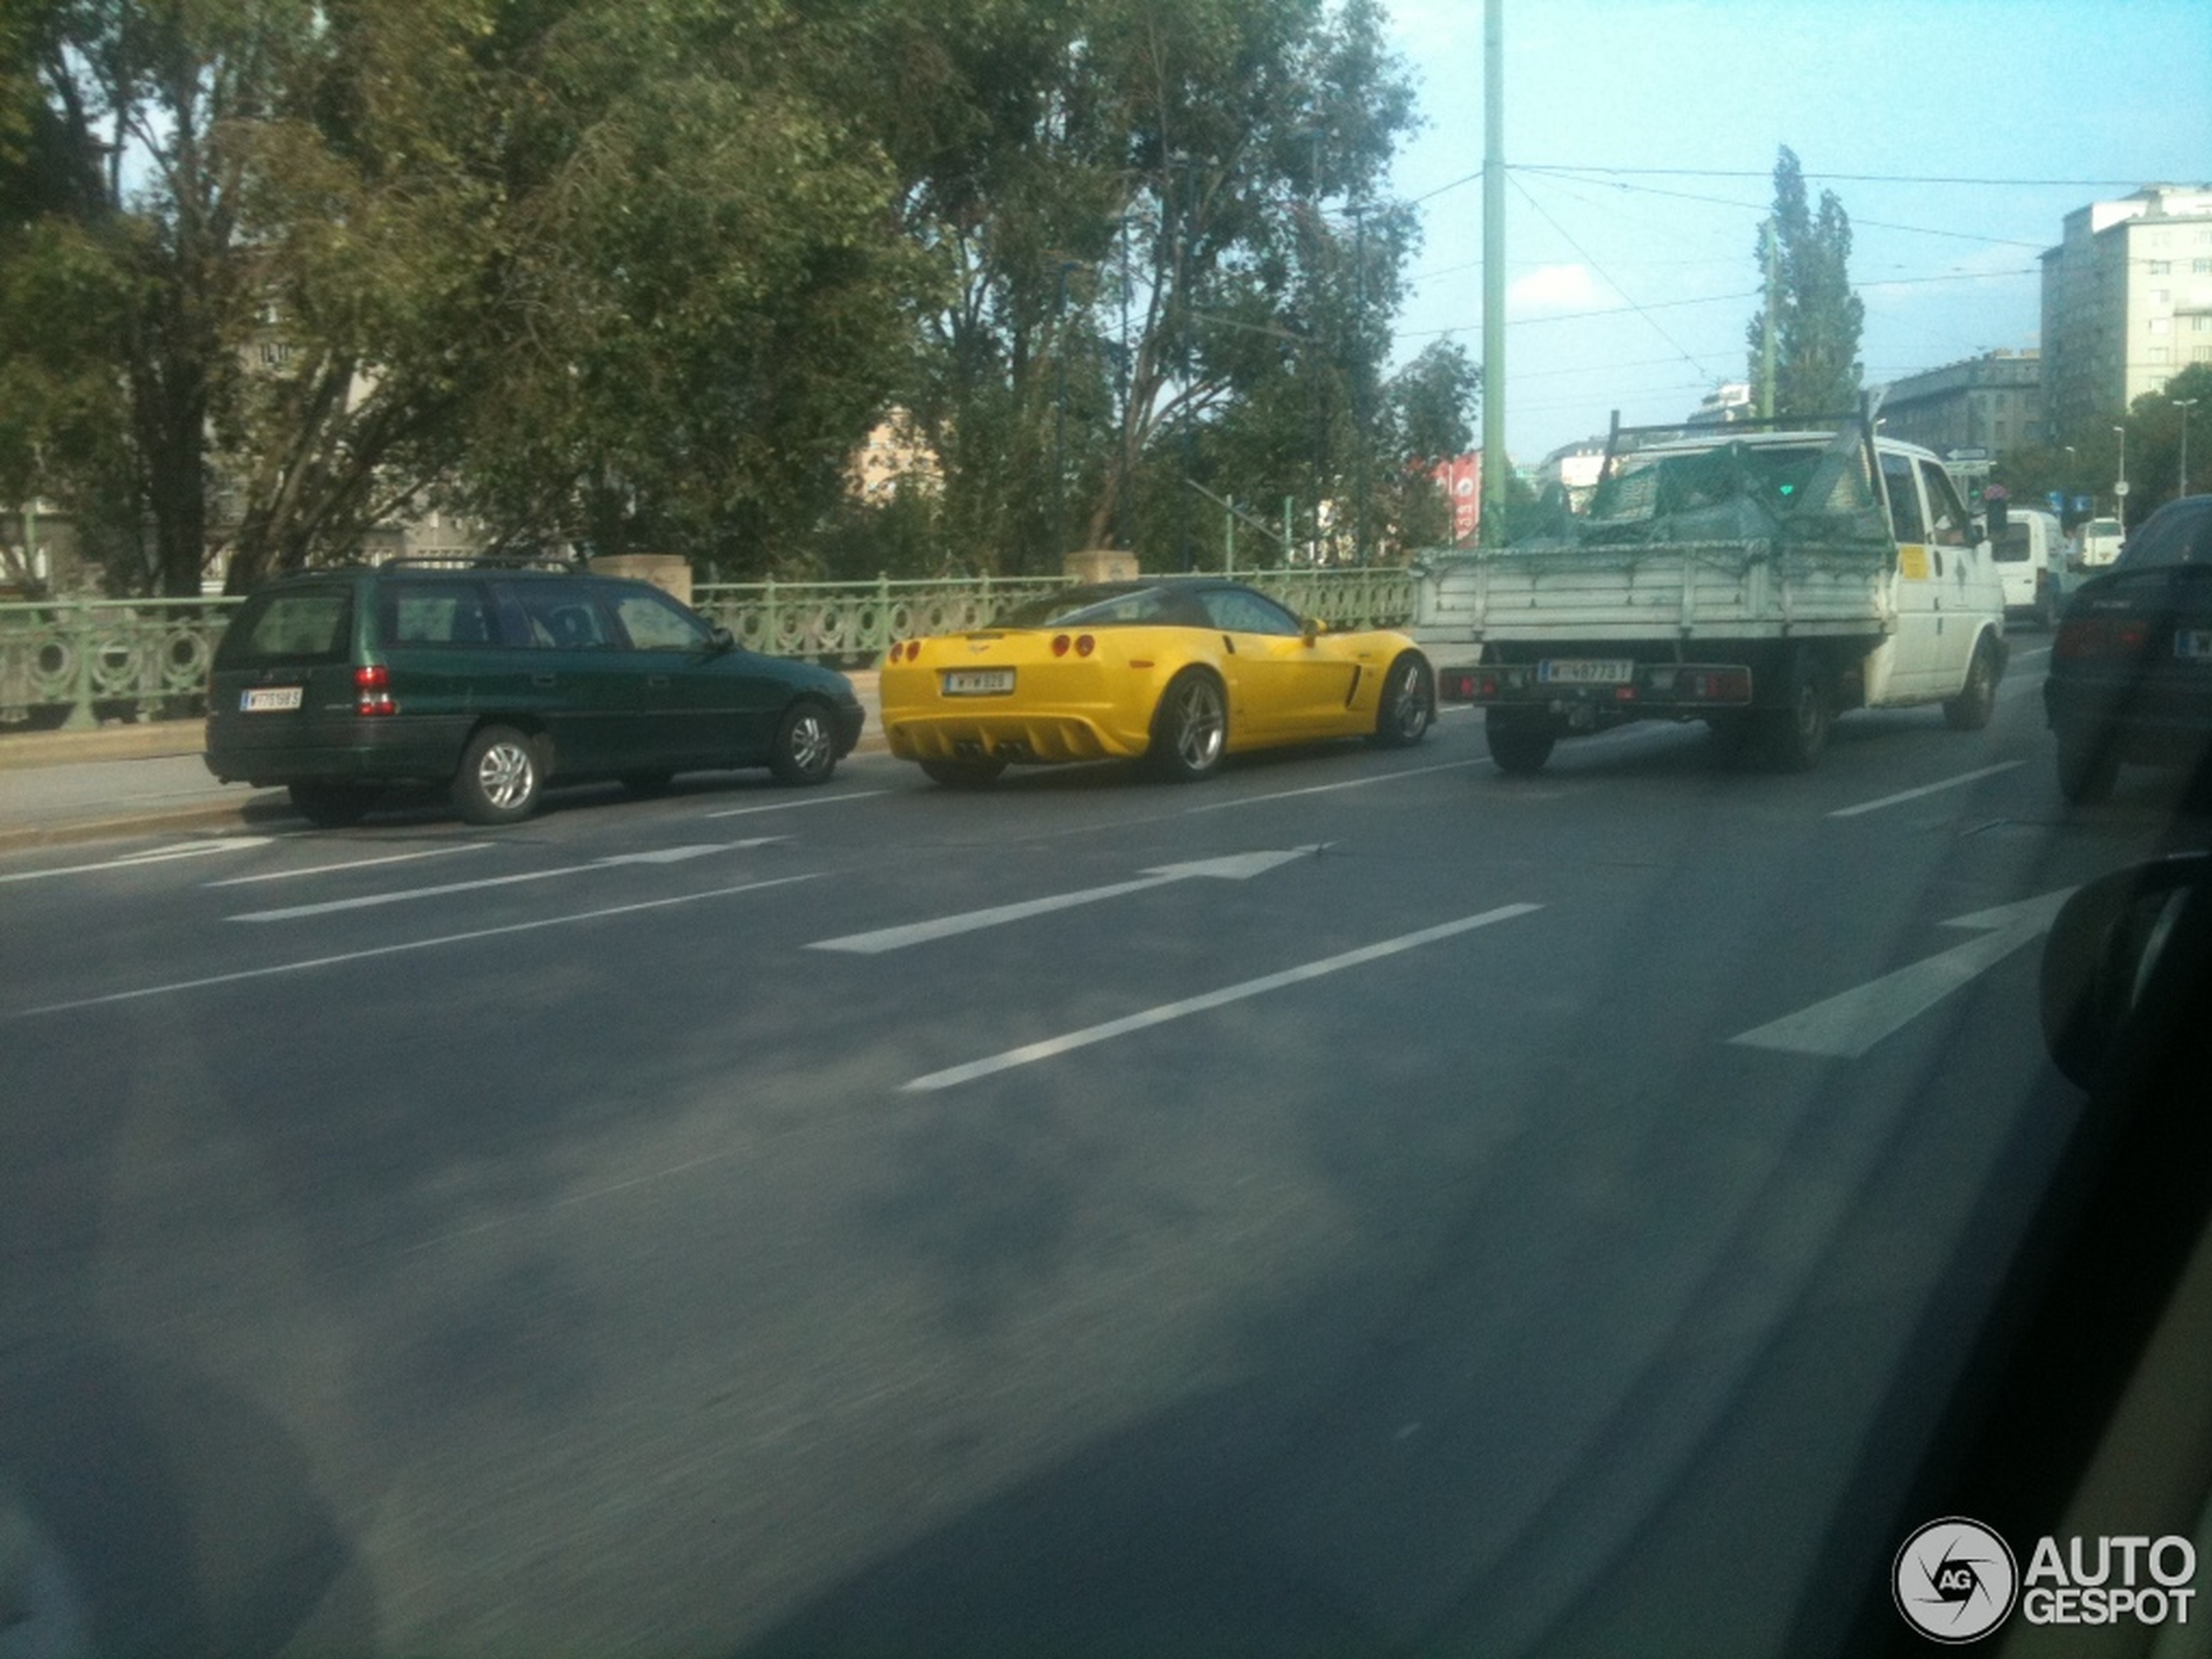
[495, 682]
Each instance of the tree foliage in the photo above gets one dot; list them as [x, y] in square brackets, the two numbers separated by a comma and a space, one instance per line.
[619, 274]
[1817, 318]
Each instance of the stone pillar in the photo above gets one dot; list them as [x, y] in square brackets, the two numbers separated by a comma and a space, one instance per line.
[669, 572]
[1101, 564]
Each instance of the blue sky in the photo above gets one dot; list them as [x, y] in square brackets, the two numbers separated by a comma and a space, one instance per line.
[2076, 100]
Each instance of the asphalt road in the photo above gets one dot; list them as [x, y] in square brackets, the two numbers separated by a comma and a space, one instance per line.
[1359, 1204]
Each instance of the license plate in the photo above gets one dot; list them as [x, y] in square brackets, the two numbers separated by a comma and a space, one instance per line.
[268, 698]
[1587, 671]
[2193, 644]
[978, 682]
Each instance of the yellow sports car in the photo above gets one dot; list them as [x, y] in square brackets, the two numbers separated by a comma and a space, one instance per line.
[1179, 672]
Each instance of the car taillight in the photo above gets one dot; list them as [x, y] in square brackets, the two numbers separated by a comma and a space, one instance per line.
[2092, 638]
[371, 686]
[1060, 644]
[1085, 645]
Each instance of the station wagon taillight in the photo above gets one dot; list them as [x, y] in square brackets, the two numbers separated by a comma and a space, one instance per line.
[372, 689]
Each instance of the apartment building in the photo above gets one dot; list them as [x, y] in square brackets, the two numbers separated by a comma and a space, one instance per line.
[2127, 303]
[1993, 402]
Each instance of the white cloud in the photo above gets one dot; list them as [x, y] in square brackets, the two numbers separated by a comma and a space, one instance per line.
[1553, 287]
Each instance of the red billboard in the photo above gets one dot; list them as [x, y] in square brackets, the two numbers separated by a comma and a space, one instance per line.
[1462, 477]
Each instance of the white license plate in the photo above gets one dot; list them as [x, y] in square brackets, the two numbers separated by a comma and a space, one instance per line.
[2193, 644]
[269, 698]
[1587, 671]
[978, 682]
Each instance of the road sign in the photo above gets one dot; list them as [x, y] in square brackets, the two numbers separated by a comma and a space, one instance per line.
[2120, 490]
[1966, 454]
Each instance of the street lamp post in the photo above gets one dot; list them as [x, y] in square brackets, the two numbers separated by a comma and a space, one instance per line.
[2120, 488]
[2185, 404]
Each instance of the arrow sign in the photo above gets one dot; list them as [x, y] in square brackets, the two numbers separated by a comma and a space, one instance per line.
[1846, 1026]
[1237, 866]
[658, 855]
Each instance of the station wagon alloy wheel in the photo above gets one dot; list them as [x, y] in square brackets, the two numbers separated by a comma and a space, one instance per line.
[499, 781]
[805, 750]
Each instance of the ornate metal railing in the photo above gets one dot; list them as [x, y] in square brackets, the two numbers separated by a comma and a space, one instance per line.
[82, 661]
[93, 659]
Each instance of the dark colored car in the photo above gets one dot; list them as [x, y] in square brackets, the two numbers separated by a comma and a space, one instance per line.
[495, 682]
[2131, 668]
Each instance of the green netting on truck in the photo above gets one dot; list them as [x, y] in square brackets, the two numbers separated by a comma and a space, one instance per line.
[1780, 491]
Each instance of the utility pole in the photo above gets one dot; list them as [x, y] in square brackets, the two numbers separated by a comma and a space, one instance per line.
[1359, 386]
[1770, 245]
[2184, 404]
[1494, 464]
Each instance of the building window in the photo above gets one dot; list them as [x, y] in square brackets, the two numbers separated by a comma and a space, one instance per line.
[2160, 268]
[2159, 354]
[2200, 267]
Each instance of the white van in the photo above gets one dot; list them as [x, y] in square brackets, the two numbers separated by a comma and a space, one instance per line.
[2030, 555]
[2100, 539]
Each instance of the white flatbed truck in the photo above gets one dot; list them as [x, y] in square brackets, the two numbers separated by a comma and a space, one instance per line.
[1762, 580]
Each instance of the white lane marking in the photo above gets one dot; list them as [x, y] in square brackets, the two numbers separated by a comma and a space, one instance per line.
[789, 806]
[1846, 1026]
[351, 864]
[1963, 779]
[1323, 789]
[370, 900]
[1239, 867]
[410, 945]
[1052, 1047]
[153, 855]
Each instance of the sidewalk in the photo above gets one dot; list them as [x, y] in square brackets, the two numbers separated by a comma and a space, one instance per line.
[58, 787]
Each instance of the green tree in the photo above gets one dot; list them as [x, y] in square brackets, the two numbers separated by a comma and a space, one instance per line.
[1431, 405]
[609, 273]
[1144, 215]
[2155, 425]
[1816, 318]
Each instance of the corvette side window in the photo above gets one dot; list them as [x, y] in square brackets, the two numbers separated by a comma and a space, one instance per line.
[1247, 613]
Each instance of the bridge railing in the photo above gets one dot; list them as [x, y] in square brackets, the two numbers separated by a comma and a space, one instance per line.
[77, 662]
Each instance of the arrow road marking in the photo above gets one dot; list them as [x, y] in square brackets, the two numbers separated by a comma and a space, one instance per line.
[1846, 1026]
[350, 863]
[343, 957]
[1237, 866]
[1052, 1047]
[151, 855]
[659, 855]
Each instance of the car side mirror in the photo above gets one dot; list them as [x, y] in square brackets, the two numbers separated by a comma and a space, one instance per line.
[2104, 949]
[1313, 629]
[725, 640]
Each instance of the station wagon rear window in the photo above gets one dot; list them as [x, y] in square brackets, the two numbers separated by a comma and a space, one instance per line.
[442, 613]
[310, 626]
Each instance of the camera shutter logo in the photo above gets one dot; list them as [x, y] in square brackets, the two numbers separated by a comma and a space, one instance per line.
[1955, 1580]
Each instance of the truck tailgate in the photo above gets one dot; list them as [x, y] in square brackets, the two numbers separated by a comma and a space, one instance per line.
[1660, 591]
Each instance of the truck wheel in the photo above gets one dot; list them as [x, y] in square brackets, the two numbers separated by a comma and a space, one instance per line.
[1971, 709]
[1794, 736]
[1519, 748]
[2088, 767]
